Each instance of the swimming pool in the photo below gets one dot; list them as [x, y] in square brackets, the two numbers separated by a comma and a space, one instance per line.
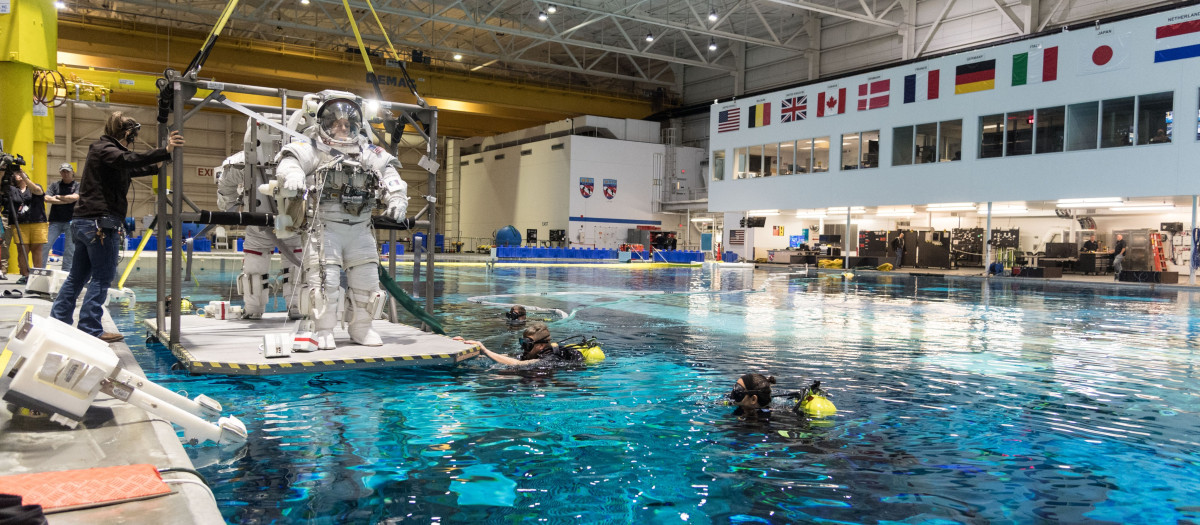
[959, 401]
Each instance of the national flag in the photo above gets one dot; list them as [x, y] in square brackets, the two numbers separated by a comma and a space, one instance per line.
[760, 115]
[1036, 65]
[874, 95]
[729, 120]
[1177, 41]
[976, 76]
[831, 102]
[1108, 52]
[921, 86]
[793, 109]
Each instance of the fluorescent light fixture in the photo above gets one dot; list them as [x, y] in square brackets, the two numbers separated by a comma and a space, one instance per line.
[1004, 210]
[894, 213]
[1144, 207]
[702, 219]
[551, 9]
[855, 209]
[942, 205]
[811, 215]
[760, 212]
[951, 208]
[1087, 203]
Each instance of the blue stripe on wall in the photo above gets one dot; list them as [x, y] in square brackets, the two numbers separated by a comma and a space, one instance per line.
[617, 221]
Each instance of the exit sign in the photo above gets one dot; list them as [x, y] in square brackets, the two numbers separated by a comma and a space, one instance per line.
[204, 172]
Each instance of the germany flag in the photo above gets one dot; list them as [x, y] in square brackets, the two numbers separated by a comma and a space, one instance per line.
[977, 76]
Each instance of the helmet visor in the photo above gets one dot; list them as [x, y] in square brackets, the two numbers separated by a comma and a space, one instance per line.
[340, 120]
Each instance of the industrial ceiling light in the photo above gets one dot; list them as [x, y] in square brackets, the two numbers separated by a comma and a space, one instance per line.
[303, 2]
[542, 16]
[712, 44]
[60, 4]
[551, 9]
[712, 15]
[458, 56]
[649, 37]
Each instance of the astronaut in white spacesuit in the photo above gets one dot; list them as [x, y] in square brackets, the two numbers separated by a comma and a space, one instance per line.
[345, 183]
[255, 283]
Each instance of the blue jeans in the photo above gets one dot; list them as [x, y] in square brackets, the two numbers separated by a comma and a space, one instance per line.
[95, 263]
[899, 258]
[56, 229]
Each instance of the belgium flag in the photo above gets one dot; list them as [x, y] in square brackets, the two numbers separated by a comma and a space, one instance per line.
[760, 115]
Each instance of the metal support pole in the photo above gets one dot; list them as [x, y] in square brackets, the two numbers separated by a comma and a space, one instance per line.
[431, 240]
[987, 241]
[393, 314]
[846, 241]
[1192, 240]
[177, 225]
[160, 232]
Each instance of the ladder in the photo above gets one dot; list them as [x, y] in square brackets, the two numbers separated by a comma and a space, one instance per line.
[1156, 248]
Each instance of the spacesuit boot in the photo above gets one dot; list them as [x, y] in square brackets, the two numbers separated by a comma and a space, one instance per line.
[363, 281]
[325, 320]
[254, 283]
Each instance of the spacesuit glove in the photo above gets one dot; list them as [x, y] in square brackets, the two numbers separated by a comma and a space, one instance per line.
[293, 181]
[396, 209]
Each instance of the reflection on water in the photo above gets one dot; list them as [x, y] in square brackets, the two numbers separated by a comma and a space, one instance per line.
[959, 400]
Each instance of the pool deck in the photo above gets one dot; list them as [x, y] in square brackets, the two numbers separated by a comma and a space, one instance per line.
[113, 433]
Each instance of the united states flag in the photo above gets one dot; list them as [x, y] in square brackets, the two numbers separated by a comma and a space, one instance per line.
[793, 109]
[729, 120]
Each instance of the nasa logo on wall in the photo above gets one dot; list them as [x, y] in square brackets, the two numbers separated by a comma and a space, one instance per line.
[586, 186]
[610, 188]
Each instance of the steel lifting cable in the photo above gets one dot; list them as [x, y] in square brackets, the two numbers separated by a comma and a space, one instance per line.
[46, 87]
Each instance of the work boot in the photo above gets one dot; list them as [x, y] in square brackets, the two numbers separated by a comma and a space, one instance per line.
[111, 337]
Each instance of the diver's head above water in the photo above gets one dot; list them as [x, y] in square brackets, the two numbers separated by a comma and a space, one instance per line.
[515, 316]
[534, 341]
[752, 391]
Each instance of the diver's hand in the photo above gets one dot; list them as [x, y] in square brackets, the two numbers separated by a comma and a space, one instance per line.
[293, 181]
[396, 209]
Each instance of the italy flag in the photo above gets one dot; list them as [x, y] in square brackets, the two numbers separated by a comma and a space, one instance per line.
[1036, 65]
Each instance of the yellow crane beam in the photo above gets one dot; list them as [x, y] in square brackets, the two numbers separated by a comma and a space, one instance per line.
[468, 104]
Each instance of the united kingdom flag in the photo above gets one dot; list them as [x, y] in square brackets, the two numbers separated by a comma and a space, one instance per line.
[793, 109]
[586, 186]
[610, 188]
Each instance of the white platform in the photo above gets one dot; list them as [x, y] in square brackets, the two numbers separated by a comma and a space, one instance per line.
[213, 346]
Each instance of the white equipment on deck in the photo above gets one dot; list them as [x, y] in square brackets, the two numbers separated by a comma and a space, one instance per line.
[54, 368]
[45, 281]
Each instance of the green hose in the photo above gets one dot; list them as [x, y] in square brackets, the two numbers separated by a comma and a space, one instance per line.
[408, 303]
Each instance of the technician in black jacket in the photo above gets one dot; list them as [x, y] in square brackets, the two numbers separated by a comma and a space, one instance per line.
[101, 209]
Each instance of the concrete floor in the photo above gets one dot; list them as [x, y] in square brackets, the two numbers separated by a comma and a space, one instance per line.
[113, 433]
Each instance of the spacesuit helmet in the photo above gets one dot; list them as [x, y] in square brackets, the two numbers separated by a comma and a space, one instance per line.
[339, 121]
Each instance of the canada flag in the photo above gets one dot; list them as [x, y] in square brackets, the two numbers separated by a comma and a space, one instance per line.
[831, 102]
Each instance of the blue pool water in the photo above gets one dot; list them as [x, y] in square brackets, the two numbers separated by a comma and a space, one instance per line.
[959, 401]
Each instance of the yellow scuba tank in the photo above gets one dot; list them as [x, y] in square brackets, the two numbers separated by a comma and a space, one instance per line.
[590, 348]
[814, 403]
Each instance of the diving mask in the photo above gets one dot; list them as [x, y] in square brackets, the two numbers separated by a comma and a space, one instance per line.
[739, 393]
[528, 342]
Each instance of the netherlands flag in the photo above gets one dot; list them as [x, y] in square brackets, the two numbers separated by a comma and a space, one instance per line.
[921, 86]
[1177, 41]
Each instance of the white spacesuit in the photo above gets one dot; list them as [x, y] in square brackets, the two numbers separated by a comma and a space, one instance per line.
[339, 234]
[255, 283]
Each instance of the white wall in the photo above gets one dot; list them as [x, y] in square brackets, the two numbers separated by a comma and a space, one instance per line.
[600, 221]
[1149, 170]
[522, 191]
